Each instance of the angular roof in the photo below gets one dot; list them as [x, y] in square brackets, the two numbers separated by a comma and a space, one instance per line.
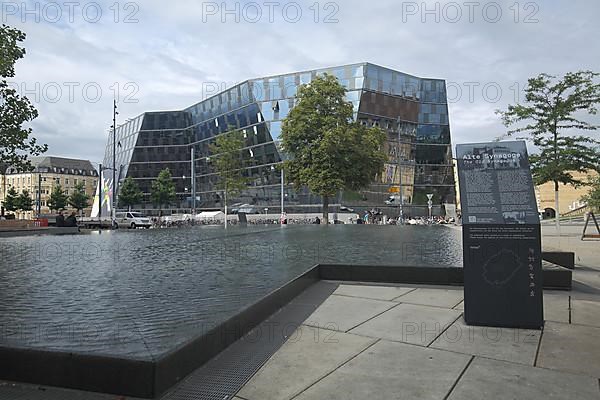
[59, 165]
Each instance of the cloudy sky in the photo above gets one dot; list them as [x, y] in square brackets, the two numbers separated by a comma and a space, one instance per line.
[166, 55]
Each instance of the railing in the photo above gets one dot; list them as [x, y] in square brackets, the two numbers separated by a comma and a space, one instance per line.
[578, 212]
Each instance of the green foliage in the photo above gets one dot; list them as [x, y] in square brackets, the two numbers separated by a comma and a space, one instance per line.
[329, 151]
[549, 118]
[11, 200]
[228, 161]
[16, 143]
[58, 199]
[24, 201]
[79, 199]
[592, 198]
[130, 194]
[163, 189]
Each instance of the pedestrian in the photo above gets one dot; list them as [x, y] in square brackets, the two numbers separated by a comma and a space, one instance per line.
[317, 221]
[60, 219]
[71, 220]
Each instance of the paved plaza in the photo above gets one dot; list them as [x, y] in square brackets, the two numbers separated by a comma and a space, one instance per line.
[399, 342]
[363, 342]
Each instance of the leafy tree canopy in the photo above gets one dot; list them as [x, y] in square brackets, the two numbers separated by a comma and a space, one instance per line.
[130, 194]
[329, 152]
[58, 199]
[16, 143]
[163, 189]
[25, 202]
[552, 114]
[592, 198]
[79, 199]
[11, 200]
[228, 161]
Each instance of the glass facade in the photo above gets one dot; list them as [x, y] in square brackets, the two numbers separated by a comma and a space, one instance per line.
[413, 112]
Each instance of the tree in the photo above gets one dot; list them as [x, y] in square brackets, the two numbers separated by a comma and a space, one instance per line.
[592, 198]
[163, 189]
[79, 199]
[550, 119]
[16, 143]
[58, 199]
[130, 194]
[228, 162]
[329, 151]
[24, 201]
[11, 200]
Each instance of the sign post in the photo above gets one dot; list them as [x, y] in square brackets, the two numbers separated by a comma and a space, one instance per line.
[501, 236]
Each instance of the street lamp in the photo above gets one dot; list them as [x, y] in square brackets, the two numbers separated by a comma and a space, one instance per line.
[114, 156]
[282, 187]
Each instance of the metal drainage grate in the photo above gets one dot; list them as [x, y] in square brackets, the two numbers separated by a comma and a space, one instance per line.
[226, 374]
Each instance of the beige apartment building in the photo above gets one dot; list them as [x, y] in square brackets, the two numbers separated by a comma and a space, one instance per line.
[569, 197]
[49, 171]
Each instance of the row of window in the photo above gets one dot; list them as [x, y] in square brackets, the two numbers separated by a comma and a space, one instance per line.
[66, 181]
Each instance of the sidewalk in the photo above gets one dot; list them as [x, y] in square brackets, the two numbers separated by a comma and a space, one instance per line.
[586, 276]
[385, 342]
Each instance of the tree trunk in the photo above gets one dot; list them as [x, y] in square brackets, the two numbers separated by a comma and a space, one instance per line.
[325, 210]
[556, 207]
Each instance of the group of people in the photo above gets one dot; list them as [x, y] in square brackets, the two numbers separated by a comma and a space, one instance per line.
[61, 221]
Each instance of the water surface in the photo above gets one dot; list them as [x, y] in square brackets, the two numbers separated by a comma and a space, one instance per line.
[140, 293]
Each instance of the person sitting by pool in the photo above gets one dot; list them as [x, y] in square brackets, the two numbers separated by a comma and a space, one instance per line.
[317, 221]
[71, 220]
[60, 219]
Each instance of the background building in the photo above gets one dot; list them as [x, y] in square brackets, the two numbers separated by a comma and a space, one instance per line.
[413, 111]
[569, 197]
[50, 171]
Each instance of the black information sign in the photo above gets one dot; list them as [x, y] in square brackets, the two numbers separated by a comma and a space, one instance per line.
[501, 236]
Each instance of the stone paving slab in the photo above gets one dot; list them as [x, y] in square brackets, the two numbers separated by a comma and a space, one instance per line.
[388, 293]
[585, 312]
[570, 348]
[492, 379]
[389, 371]
[446, 298]
[309, 355]
[556, 308]
[515, 345]
[343, 313]
[409, 323]
[460, 306]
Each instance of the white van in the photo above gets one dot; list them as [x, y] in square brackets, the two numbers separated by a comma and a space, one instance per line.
[132, 220]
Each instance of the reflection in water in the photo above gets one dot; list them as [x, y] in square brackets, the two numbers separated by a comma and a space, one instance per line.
[140, 293]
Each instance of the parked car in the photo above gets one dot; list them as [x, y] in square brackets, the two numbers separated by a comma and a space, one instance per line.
[393, 201]
[248, 209]
[235, 208]
[132, 220]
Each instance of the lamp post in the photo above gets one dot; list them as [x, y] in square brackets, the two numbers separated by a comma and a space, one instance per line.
[282, 186]
[39, 196]
[114, 159]
[401, 217]
[193, 178]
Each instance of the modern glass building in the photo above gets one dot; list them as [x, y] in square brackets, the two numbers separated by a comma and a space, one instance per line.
[413, 111]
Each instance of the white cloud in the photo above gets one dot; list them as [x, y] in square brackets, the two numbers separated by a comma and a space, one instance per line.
[170, 53]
